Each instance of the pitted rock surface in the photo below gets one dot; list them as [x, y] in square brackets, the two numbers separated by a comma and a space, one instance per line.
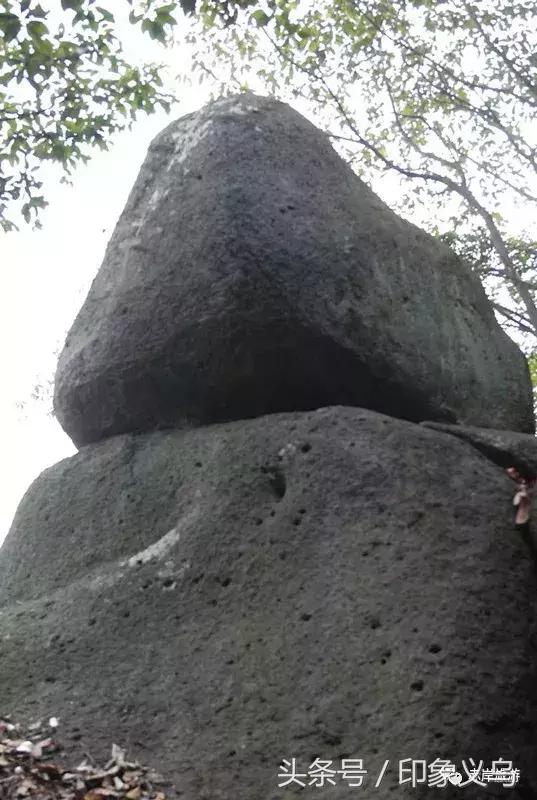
[325, 584]
[253, 272]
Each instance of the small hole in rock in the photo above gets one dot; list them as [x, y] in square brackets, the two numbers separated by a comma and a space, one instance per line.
[278, 483]
[416, 686]
[331, 739]
[385, 656]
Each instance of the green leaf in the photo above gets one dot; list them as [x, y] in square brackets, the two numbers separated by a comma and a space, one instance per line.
[10, 26]
[260, 18]
[155, 29]
[188, 6]
[74, 5]
[37, 30]
[105, 14]
[164, 18]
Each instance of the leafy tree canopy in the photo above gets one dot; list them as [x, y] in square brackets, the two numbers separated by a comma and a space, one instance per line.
[66, 87]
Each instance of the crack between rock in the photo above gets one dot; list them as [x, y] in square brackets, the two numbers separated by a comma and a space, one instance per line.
[501, 458]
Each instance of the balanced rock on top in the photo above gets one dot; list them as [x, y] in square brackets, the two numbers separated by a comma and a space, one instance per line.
[253, 272]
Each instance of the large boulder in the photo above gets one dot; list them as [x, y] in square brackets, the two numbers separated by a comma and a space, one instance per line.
[253, 272]
[333, 584]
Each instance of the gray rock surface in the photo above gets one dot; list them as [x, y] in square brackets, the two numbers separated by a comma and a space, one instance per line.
[504, 448]
[253, 272]
[325, 584]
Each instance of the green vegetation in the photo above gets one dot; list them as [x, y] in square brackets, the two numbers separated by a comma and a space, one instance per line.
[65, 87]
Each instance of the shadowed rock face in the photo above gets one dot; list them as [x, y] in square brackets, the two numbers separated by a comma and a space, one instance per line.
[323, 584]
[253, 272]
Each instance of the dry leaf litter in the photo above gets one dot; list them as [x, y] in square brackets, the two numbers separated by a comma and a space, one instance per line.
[28, 770]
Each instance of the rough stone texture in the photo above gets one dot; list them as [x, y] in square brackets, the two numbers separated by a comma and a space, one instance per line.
[253, 272]
[504, 448]
[305, 584]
